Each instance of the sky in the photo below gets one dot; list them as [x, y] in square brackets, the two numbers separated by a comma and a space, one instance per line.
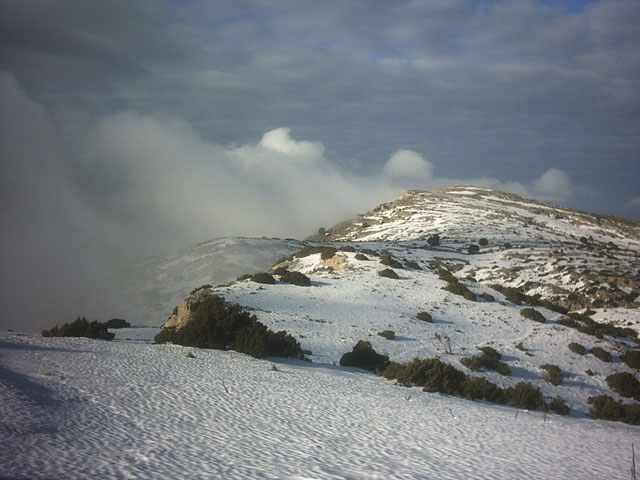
[133, 128]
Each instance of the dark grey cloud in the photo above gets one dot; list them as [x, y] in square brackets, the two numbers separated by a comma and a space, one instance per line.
[134, 127]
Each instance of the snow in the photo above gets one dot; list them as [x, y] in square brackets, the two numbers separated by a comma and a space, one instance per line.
[79, 408]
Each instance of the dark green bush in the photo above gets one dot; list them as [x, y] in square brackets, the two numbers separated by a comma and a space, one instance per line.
[413, 265]
[553, 374]
[360, 256]
[280, 271]
[434, 240]
[473, 249]
[296, 278]
[489, 360]
[424, 316]
[606, 408]
[568, 322]
[477, 388]
[364, 356]
[347, 248]
[587, 325]
[559, 406]
[577, 348]
[325, 252]
[483, 242]
[513, 295]
[117, 323]
[263, 277]
[388, 273]
[389, 261]
[624, 383]
[601, 354]
[80, 327]
[227, 326]
[446, 275]
[458, 288]
[533, 314]
[488, 297]
[525, 395]
[388, 334]
[432, 374]
[632, 358]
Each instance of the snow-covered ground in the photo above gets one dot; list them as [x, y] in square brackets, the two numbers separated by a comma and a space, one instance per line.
[79, 408]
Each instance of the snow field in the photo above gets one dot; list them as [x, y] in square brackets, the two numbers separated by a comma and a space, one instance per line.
[76, 408]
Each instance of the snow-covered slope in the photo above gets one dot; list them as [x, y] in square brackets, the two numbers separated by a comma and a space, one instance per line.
[78, 409]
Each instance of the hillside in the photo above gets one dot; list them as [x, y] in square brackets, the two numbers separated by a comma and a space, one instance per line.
[554, 292]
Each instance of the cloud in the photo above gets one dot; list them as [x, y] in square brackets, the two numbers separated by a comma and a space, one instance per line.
[553, 183]
[407, 165]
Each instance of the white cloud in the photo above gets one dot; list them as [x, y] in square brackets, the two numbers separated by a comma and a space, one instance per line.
[553, 183]
[409, 166]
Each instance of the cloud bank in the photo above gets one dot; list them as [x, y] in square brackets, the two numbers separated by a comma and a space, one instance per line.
[133, 184]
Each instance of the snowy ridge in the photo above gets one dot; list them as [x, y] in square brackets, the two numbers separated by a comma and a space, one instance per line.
[78, 408]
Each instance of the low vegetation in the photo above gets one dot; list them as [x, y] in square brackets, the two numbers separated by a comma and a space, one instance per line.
[533, 314]
[434, 375]
[454, 286]
[606, 408]
[388, 334]
[296, 278]
[390, 261]
[625, 384]
[228, 326]
[81, 327]
[632, 358]
[263, 277]
[552, 374]
[117, 323]
[425, 317]
[388, 273]
[577, 348]
[365, 357]
[489, 360]
[601, 354]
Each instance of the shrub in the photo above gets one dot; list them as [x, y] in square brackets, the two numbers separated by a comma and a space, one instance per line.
[553, 374]
[513, 295]
[434, 240]
[347, 248]
[559, 406]
[624, 383]
[413, 265]
[296, 278]
[458, 288]
[360, 256]
[577, 348]
[227, 326]
[601, 354]
[473, 249]
[117, 323]
[632, 358]
[388, 334]
[364, 356]
[388, 273]
[568, 322]
[483, 242]
[507, 245]
[389, 261]
[533, 314]
[489, 360]
[325, 252]
[524, 395]
[80, 327]
[424, 316]
[606, 408]
[432, 374]
[488, 297]
[477, 388]
[263, 277]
